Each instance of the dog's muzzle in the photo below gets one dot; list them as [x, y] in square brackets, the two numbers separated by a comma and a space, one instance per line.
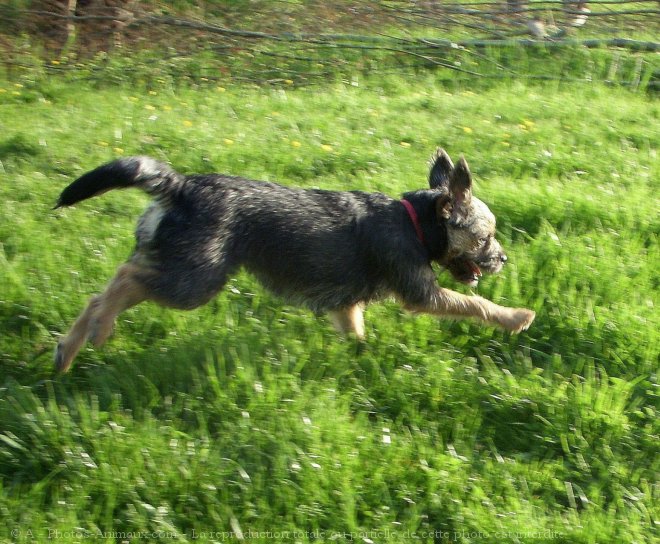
[464, 270]
[469, 272]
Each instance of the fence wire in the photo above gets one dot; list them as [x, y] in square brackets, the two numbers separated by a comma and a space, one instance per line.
[304, 42]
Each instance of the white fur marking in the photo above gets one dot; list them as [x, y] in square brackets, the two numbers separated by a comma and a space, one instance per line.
[148, 168]
[149, 222]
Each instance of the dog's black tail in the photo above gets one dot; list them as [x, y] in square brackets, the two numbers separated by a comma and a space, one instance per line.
[150, 175]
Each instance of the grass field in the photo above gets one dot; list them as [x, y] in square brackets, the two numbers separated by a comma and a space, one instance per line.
[249, 419]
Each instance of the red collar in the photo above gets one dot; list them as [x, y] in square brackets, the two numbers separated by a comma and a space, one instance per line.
[413, 217]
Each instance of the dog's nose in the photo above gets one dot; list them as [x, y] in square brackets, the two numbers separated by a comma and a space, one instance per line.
[503, 258]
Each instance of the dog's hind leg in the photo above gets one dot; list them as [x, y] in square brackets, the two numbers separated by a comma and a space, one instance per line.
[350, 319]
[97, 320]
[124, 291]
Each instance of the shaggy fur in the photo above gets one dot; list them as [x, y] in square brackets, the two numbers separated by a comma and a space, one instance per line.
[332, 251]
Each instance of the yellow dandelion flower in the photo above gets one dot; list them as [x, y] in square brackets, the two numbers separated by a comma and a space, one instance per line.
[467, 130]
[16, 93]
[149, 107]
[133, 98]
[288, 81]
[506, 144]
[55, 62]
[102, 143]
[228, 141]
[220, 89]
[167, 107]
[187, 123]
[153, 93]
[118, 150]
[404, 144]
[18, 85]
[296, 143]
[3, 90]
[327, 148]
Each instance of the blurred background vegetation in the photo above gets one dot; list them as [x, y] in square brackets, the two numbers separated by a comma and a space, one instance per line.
[309, 41]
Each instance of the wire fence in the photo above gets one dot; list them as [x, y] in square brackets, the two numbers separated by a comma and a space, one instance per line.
[306, 42]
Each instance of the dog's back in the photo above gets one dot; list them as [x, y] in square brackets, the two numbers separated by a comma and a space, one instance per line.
[319, 248]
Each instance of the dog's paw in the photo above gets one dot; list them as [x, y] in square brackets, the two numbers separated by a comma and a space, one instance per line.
[518, 320]
[63, 357]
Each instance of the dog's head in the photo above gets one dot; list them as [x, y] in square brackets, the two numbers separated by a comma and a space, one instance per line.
[472, 246]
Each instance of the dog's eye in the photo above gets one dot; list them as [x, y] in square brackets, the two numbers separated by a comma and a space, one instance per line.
[483, 241]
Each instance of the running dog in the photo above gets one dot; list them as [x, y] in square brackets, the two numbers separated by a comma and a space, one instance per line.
[334, 252]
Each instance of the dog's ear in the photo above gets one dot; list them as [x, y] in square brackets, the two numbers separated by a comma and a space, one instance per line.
[460, 192]
[460, 184]
[440, 169]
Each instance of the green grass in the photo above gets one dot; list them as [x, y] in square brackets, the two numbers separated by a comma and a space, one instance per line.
[250, 415]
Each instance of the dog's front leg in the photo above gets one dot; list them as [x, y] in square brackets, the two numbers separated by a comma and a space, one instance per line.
[447, 303]
[349, 320]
